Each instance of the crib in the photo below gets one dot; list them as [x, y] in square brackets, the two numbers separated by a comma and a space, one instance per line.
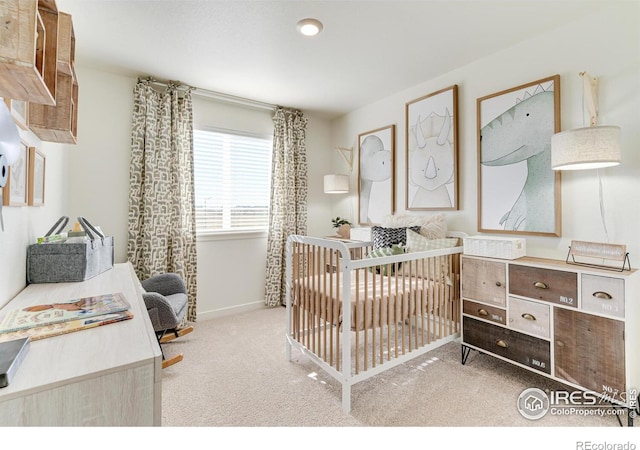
[356, 316]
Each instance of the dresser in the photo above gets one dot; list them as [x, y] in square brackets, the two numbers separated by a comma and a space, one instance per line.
[571, 323]
[105, 376]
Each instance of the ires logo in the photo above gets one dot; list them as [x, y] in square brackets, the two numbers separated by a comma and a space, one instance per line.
[534, 403]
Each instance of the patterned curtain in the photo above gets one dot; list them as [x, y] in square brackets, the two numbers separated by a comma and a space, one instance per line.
[162, 231]
[288, 206]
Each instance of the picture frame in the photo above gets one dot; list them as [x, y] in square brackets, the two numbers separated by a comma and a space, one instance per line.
[19, 110]
[518, 191]
[376, 174]
[37, 166]
[431, 141]
[15, 191]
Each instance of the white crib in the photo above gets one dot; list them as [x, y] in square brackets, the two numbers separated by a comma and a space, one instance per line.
[397, 307]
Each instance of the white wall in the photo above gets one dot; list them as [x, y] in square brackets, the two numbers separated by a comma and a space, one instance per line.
[607, 45]
[99, 163]
[23, 224]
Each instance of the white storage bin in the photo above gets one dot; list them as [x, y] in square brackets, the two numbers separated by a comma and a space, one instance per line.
[361, 234]
[495, 247]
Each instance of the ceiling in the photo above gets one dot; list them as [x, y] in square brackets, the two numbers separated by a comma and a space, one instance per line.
[251, 49]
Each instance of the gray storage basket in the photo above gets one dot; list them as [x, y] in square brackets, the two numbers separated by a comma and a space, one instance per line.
[69, 262]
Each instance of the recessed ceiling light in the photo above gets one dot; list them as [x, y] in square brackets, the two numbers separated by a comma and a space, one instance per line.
[309, 27]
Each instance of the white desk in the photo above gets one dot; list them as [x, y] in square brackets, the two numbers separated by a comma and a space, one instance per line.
[105, 376]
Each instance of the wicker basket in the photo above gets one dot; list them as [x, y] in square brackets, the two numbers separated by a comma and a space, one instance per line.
[495, 247]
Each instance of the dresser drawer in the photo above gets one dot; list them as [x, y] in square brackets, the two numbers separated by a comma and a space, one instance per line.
[529, 317]
[604, 295]
[485, 312]
[527, 350]
[485, 281]
[553, 286]
[589, 350]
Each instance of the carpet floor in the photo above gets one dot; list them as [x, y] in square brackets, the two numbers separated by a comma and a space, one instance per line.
[235, 374]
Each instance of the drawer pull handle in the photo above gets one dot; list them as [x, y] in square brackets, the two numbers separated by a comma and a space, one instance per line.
[528, 316]
[540, 285]
[602, 295]
[502, 344]
[482, 312]
[559, 343]
[498, 284]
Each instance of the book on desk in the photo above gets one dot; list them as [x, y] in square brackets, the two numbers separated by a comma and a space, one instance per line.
[54, 319]
[70, 326]
[63, 311]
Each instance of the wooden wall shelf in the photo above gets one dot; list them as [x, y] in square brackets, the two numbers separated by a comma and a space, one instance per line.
[37, 56]
[28, 50]
[66, 43]
[59, 122]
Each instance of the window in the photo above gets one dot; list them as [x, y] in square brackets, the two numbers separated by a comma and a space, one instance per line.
[232, 175]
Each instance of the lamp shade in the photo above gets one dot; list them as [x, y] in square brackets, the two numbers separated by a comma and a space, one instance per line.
[586, 148]
[336, 184]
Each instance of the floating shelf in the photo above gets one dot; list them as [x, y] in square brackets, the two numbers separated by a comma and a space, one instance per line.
[66, 43]
[59, 122]
[28, 50]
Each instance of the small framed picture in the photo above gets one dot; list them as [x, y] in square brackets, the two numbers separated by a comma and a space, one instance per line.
[37, 162]
[15, 192]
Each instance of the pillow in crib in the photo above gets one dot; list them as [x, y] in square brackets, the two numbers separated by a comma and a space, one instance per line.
[418, 243]
[395, 249]
[432, 227]
[386, 237]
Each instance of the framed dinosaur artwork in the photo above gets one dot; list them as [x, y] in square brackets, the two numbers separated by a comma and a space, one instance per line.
[518, 192]
[431, 139]
[376, 169]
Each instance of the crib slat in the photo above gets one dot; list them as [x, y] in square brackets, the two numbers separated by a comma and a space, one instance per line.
[323, 307]
[294, 294]
[357, 321]
[379, 293]
[339, 300]
[331, 307]
[438, 294]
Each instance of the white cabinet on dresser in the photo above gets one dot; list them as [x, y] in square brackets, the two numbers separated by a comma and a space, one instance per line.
[573, 323]
[105, 376]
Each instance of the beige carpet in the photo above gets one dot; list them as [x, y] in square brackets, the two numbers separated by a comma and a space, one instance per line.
[235, 374]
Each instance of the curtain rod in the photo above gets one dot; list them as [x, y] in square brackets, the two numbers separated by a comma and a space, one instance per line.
[211, 94]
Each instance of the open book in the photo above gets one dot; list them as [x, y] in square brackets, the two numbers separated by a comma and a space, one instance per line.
[51, 313]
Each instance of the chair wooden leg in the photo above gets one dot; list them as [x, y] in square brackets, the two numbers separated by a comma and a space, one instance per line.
[171, 361]
[178, 333]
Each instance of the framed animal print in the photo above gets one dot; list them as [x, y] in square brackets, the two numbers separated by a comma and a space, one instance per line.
[431, 137]
[518, 191]
[376, 181]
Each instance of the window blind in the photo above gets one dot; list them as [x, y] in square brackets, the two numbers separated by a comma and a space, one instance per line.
[232, 176]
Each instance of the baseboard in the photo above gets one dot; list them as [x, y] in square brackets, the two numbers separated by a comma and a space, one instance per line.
[208, 315]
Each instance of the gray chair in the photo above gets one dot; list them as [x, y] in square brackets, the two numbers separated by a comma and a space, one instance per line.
[165, 297]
